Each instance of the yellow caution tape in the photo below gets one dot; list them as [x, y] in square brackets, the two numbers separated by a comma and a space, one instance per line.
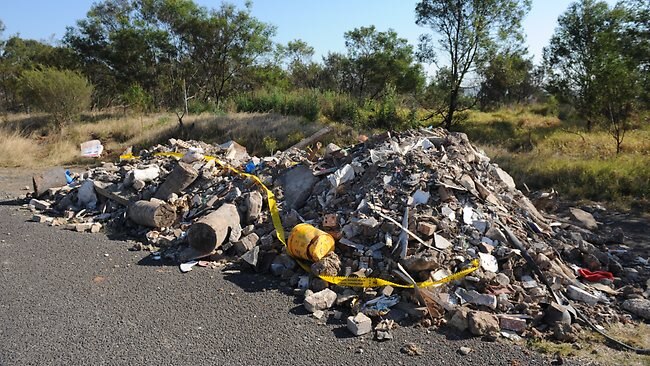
[279, 232]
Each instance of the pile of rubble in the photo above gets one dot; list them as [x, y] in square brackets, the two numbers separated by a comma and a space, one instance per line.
[410, 207]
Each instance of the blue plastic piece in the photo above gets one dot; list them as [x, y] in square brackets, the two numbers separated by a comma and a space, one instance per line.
[250, 167]
[68, 177]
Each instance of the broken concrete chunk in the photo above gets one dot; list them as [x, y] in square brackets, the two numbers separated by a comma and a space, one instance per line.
[320, 300]
[482, 323]
[583, 218]
[503, 176]
[297, 184]
[426, 228]
[359, 324]
[579, 294]
[440, 242]
[39, 204]
[511, 323]
[638, 307]
[246, 243]
[253, 206]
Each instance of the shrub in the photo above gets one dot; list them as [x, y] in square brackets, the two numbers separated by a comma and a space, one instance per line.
[62, 93]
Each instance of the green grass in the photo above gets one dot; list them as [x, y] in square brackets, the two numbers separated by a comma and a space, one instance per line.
[544, 152]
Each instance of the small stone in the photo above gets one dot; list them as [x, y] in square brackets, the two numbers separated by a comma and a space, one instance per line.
[426, 228]
[95, 227]
[246, 243]
[40, 218]
[411, 349]
[359, 324]
[318, 314]
[464, 351]
[440, 242]
[583, 218]
[564, 332]
[138, 185]
[459, 319]
[482, 323]
[502, 279]
[320, 300]
[556, 313]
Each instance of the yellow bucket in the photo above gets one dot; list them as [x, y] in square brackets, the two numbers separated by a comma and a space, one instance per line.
[310, 243]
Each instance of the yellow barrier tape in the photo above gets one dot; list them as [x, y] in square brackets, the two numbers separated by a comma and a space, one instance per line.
[279, 232]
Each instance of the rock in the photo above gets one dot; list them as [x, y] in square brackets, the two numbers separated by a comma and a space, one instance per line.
[95, 227]
[297, 184]
[359, 324]
[440, 242]
[482, 323]
[502, 279]
[579, 294]
[251, 257]
[246, 243]
[556, 313]
[282, 263]
[86, 196]
[510, 323]
[464, 351]
[320, 300]
[473, 297]
[253, 206]
[503, 176]
[419, 263]
[41, 219]
[318, 314]
[489, 262]
[583, 218]
[39, 204]
[329, 265]
[459, 319]
[426, 228]
[564, 332]
[638, 307]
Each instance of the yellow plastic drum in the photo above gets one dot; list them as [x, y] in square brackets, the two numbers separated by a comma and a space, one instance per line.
[310, 243]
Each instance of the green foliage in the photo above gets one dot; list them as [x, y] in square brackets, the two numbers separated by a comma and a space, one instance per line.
[466, 29]
[62, 93]
[507, 79]
[137, 99]
[592, 68]
[373, 61]
[270, 144]
[298, 103]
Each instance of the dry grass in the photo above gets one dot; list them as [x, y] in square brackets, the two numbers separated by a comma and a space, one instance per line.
[591, 347]
[28, 141]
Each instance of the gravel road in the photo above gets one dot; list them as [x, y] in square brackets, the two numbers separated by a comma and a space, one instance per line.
[70, 298]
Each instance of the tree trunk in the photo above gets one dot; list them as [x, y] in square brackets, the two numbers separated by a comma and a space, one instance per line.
[179, 179]
[152, 214]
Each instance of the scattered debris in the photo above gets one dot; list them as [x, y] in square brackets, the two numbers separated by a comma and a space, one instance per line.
[414, 208]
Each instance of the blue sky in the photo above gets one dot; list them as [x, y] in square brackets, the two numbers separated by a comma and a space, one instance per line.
[320, 23]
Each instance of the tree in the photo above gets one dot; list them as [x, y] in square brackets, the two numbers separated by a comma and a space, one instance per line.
[465, 30]
[62, 93]
[575, 50]
[506, 78]
[378, 59]
[592, 66]
[18, 55]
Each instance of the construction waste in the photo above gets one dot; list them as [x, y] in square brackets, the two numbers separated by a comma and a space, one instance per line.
[416, 227]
